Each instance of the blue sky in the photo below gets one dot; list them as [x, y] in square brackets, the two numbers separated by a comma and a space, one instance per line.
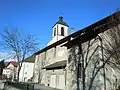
[38, 16]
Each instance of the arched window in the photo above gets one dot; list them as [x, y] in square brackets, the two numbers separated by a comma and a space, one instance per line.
[62, 31]
[54, 31]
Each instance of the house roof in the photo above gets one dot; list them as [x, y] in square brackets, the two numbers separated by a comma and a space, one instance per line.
[6, 63]
[60, 21]
[14, 63]
[93, 32]
[98, 25]
[30, 59]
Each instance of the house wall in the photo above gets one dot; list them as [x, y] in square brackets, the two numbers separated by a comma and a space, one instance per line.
[10, 66]
[54, 78]
[111, 72]
[7, 72]
[46, 58]
[11, 71]
[72, 65]
[26, 72]
[56, 54]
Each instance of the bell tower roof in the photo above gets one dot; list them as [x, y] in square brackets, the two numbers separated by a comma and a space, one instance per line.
[60, 21]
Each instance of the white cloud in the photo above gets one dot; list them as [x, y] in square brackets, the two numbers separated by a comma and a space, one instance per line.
[7, 56]
[3, 54]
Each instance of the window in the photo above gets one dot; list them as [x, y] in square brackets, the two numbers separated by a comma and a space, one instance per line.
[54, 31]
[62, 31]
[48, 85]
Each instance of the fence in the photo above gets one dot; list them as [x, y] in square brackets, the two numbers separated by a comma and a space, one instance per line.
[20, 86]
[26, 86]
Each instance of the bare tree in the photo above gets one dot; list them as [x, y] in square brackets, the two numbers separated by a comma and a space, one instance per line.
[21, 45]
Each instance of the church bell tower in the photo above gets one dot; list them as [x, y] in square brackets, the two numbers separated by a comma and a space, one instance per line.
[59, 30]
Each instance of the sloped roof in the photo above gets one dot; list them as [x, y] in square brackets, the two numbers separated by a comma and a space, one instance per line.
[60, 21]
[58, 64]
[91, 33]
[14, 63]
[6, 63]
[30, 59]
[79, 32]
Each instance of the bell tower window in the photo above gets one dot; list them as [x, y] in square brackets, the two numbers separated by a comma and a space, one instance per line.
[54, 31]
[62, 31]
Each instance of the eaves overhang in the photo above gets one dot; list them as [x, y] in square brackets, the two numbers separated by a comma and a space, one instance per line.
[96, 26]
[56, 65]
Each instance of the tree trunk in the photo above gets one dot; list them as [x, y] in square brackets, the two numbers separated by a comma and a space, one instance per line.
[19, 68]
[18, 74]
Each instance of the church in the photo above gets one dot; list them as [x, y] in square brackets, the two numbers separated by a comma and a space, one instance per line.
[78, 60]
[51, 61]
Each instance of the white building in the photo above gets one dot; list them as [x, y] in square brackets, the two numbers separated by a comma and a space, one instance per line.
[11, 70]
[26, 72]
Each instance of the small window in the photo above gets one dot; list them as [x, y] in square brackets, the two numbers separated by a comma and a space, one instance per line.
[54, 31]
[62, 31]
[48, 85]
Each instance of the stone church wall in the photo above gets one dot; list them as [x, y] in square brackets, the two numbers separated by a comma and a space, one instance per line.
[95, 62]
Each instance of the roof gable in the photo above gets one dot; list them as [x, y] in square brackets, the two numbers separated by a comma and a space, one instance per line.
[12, 63]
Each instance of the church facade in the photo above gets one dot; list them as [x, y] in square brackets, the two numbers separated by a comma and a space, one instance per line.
[51, 61]
[63, 65]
